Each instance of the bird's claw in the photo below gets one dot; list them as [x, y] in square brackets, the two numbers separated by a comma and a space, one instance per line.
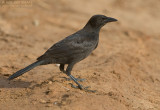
[83, 88]
[78, 79]
[88, 90]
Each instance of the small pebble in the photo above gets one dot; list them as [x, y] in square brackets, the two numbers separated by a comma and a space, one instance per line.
[36, 22]
[55, 103]
[50, 82]
[42, 101]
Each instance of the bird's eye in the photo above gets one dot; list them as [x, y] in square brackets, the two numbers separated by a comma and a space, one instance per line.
[103, 18]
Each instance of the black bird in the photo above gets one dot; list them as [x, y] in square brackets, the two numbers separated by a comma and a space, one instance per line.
[72, 49]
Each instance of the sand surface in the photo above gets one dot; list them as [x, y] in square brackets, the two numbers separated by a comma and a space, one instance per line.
[124, 69]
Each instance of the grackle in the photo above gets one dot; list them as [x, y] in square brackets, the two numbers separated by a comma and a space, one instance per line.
[72, 49]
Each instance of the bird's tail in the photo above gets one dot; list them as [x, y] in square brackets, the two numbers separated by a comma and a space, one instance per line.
[22, 71]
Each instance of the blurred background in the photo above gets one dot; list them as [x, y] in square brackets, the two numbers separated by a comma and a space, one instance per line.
[124, 69]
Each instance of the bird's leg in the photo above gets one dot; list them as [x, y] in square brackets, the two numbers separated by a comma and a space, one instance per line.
[61, 67]
[68, 72]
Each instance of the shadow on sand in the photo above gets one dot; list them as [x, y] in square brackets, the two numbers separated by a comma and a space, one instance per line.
[5, 83]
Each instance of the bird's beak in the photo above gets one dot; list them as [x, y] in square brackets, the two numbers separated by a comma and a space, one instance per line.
[109, 19]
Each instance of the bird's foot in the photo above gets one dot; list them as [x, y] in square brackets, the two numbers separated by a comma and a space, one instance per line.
[83, 88]
[78, 79]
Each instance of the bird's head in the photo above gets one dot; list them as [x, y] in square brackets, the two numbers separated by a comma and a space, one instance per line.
[97, 21]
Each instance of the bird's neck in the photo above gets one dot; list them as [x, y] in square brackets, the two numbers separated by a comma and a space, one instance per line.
[90, 28]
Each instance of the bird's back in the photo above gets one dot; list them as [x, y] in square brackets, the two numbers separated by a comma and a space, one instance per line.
[73, 48]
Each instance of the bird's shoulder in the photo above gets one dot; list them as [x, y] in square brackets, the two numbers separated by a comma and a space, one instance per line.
[77, 39]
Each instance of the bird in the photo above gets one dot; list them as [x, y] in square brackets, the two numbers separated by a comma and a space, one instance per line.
[71, 49]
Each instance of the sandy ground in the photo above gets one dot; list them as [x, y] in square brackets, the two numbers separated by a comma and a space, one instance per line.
[124, 69]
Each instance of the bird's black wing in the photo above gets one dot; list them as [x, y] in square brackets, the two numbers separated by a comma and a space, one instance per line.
[67, 47]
